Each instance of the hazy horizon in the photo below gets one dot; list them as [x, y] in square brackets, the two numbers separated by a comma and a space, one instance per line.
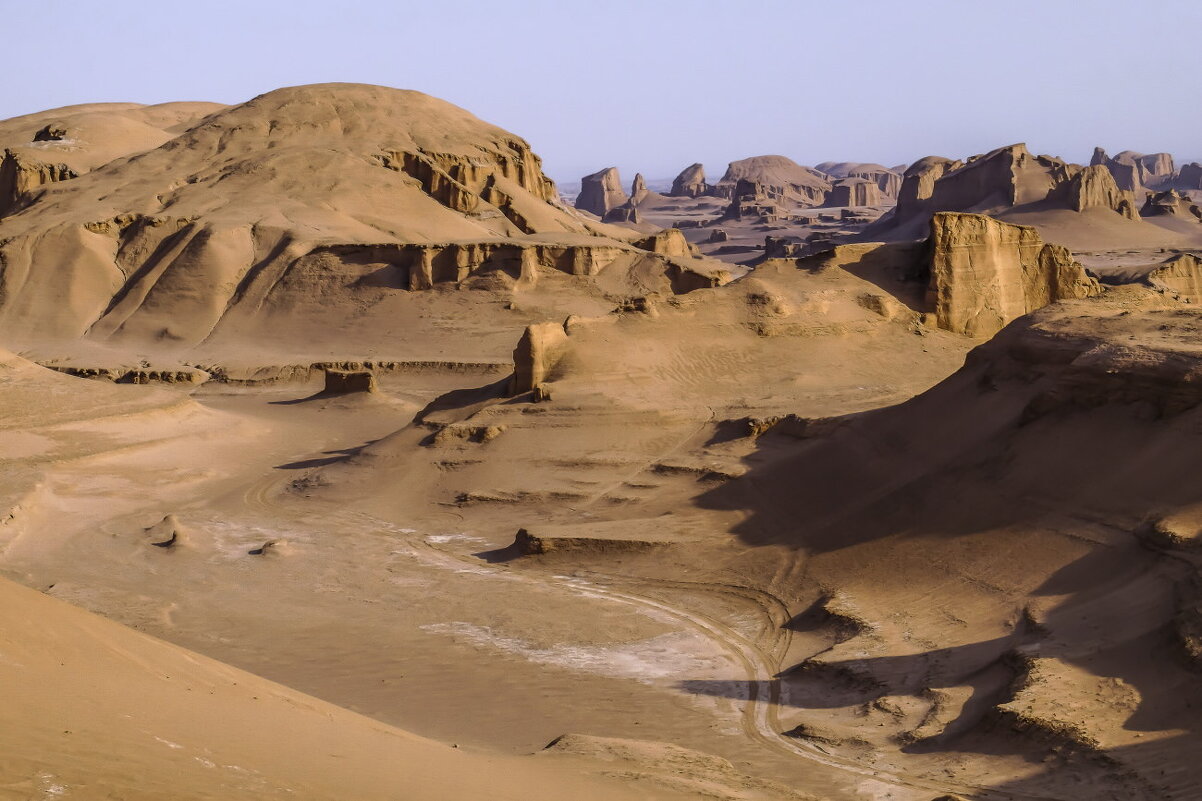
[653, 89]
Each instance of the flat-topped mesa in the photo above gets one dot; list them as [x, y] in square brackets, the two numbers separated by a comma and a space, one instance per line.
[690, 182]
[779, 176]
[853, 192]
[21, 175]
[984, 273]
[601, 192]
[1170, 203]
[537, 354]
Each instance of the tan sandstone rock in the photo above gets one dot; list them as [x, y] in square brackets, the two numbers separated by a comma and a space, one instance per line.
[20, 175]
[690, 182]
[537, 353]
[985, 273]
[853, 192]
[1094, 187]
[601, 192]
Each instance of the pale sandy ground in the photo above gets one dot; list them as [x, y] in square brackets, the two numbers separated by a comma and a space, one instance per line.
[989, 589]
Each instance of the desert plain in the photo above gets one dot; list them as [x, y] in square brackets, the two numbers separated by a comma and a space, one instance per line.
[346, 455]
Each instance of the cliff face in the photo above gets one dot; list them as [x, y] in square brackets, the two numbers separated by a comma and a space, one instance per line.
[601, 192]
[984, 273]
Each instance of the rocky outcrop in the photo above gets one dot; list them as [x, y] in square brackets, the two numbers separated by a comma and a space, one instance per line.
[1156, 168]
[918, 182]
[1134, 172]
[983, 273]
[601, 192]
[1170, 203]
[669, 242]
[347, 382]
[690, 182]
[20, 175]
[753, 200]
[1180, 276]
[853, 192]
[1003, 179]
[537, 353]
[887, 181]
[638, 189]
[1094, 187]
[778, 177]
[1190, 176]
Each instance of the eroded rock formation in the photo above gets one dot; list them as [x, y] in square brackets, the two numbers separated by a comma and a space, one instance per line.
[984, 273]
[853, 192]
[778, 176]
[1170, 203]
[601, 192]
[1094, 187]
[537, 353]
[690, 182]
[1181, 276]
[1190, 176]
[20, 175]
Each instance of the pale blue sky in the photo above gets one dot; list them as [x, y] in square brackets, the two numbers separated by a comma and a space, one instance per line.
[656, 85]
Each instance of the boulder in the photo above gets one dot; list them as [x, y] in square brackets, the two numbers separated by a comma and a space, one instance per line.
[690, 182]
[718, 235]
[853, 192]
[537, 353]
[983, 273]
[601, 192]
